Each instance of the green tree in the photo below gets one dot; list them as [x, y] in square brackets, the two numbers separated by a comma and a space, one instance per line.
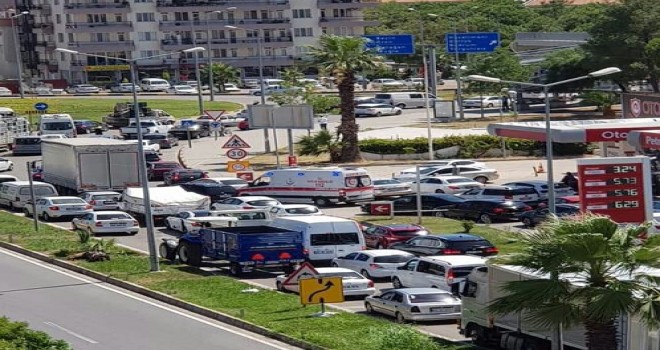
[320, 143]
[502, 64]
[222, 74]
[17, 336]
[603, 263]
[344, 56]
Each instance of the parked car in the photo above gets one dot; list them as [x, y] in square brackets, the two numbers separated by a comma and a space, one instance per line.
[106, 222]
[8, 178]
[415, 304]
[5, 91]
[445, 184]
[193, 128]
[414, 82]
[6, 164]
[447, 244]
[486, 102]
[534, 217]
[231, 88]
[102, 200]
[244, 124]
[234, 182]
[373, 263]
[212, 190]
[179, 221]
[384, 188]
[376, 110]
[444, 162]
[125, 88]
[183, 175]
[386, 82]
[156, 170]
[182, 90]
[432, 204]
[88, 126]
[527, 195]
[487, 210]
[230, 120]
[83, 89]
[353, 283]
[165, 141]
[151, 156]
[482, 175]
[294, 210]
[245, 202]
[444, 272]
[575, 200]
[541, 187]
[384, 235]
[49, 208]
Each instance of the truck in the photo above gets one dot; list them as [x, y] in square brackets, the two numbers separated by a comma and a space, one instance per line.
[10, 128]
[243, 248]
[165, 201]
[89, 164]
[147, 126]
[123, 113]
[514, 332]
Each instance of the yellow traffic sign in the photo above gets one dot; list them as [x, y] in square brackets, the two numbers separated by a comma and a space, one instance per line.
[237, 165]
[321, 290]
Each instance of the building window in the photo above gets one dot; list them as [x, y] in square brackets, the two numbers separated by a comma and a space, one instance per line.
[324, 30]
[302, 13]
[164, 17]
[96, 18]
[148, 53]
[302, 32]
[58, 19]
[70, 37]
[60, 37]
[119, 18]
[145, 17]
[139, 1]
[234, 53]
[282, 52]
[121, 37]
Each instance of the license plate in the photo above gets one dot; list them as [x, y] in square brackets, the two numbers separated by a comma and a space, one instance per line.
[117, 224]
[109, 202]
[351, 286]
[472, 252]
[442, 309]
[72, 209]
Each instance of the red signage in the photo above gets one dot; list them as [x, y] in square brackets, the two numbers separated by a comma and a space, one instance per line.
[613, 135]
[648, 140]
[245, 175]
[293, 161]
[640, 105]
[615, 190]
[380, 208]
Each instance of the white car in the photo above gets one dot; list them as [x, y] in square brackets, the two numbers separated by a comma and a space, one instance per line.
[125, 88]
[231, 88]
[54, 136]
[102, 200]
[446, 184]
[294, 210]
[245, 202]
[446, 162]
[376, 110]
[414, 82]
[107, 222]
[6, 164]
[477, 174]
[387, 82]
[182, 90]
[49, 208]
[230, 120]
[541, 186]
[390, 187]
[4, 91]
[354, 284]
[179, 221]
[227, 181]
[84, 89]
[526, 195]
[149, 145]
[486, 102]
[379, 263]
[415, 304]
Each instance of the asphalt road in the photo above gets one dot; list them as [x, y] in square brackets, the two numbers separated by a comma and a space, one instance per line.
[91, 315]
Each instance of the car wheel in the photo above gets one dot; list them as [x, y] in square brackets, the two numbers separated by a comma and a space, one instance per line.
[400, 318]
[481, 179]
[485, 218]
[26, 212]
[46, 217]
[489, 105]
[439, 191]
[190, 254]
[380, 246]
[366, 274]
[280, 287]
[321, 202]
[396, 283]
[378, 114]
[369, 308]
[438, 213]
[235, 269]
[527, 222]
[401, 105]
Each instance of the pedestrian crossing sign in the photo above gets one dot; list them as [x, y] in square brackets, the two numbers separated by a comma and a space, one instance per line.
[235, 142]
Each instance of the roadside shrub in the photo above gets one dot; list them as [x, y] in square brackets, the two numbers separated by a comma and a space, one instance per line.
[467, 226]
[17, 336]
[401, 338]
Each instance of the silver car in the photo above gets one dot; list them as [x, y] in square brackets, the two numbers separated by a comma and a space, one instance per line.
[376, 110]
[49, 208]
[102, 200]
[415, 304]
[390, 187]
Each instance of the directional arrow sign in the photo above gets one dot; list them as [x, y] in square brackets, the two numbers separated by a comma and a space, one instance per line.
[380, 208]
[321, 290]
[215, 126]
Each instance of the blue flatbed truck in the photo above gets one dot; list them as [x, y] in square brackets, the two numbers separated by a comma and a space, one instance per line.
[244, 248]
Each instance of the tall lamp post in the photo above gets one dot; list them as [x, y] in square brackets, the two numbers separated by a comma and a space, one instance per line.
[261, 79]
[548, 129]
[17, 48]
[208, 48]
[142, 165]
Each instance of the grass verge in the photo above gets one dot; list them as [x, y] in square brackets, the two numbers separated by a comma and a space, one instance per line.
[97, 108]
[276, 311]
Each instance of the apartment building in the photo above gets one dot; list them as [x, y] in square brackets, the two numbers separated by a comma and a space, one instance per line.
[230, 31]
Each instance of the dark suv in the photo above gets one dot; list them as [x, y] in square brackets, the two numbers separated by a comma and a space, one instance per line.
[487, 210]
[447, 244]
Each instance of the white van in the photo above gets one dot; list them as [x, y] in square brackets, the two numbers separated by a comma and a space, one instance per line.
[325, 237]
[57, 124]
[404, 99]
[154, 84]
[273, 82]
[320, 186]
[6, 112]
[15, 194]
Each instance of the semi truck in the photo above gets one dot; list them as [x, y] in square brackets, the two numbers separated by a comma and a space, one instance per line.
[514, 332]
[243, 248]
[75, 165]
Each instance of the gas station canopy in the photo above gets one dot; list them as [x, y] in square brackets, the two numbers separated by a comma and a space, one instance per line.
[649, 139]
[572, 131]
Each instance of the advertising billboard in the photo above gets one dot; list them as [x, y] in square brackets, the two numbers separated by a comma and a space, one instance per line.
[640, 105]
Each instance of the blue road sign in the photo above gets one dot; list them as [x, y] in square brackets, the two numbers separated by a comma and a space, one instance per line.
[398, 44]
[41, 106]
[216, 125]
[187, 123]
[472, 42]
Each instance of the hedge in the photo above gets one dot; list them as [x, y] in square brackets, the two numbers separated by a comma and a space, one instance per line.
[472, 146]
[17, 336]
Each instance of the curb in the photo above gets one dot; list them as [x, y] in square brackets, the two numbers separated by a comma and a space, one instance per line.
[218, 316]
[181, 159]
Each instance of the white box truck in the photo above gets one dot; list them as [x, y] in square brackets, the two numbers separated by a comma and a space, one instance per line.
[514, 332]
[89, 164]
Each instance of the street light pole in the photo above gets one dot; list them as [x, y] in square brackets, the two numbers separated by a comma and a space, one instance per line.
[142, 166]
[200, 99]
[427, 102]
[17, 48]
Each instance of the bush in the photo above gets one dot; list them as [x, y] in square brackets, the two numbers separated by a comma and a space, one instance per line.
[467, 226]
[402, 338]
[17, 336]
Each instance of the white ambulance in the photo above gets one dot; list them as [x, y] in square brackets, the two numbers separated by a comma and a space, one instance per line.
[320, 186]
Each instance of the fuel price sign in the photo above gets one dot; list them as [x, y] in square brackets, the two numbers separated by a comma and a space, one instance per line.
[617, 187]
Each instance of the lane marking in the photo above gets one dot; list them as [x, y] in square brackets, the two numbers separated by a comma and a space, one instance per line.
[162, 307]
[68, 331]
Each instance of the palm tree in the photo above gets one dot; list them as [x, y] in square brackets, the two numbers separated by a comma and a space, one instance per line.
[602, 262]
[222, 74]
[344, 56]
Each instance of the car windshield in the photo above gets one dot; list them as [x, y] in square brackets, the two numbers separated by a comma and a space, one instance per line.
[409, 232]
[342, 274]
[167, 166]
[68, 201]
[234, 182]
[114, 216]
[105, 197]
[57, 126]
[456, 181]
[467, 245]
[302, 210]
[27, 141]
[392, 259]
[263, 203]
[432, 298]
[245, 215]
[386, 182]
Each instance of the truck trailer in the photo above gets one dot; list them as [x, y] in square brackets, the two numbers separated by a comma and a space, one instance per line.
[75, 165]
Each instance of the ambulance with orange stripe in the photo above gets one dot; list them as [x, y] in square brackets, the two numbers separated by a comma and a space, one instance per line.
[319, 186]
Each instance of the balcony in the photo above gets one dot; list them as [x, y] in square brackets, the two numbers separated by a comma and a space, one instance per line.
[101, 46]
[357, 21]
[41, 9]
[213, 5]
[92, 8]
[103, 27]
[43, 29]
[217, 43]
[346, 4]
[266, 23]
[49, 45]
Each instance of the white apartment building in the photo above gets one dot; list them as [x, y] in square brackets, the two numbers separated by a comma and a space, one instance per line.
[230, 31]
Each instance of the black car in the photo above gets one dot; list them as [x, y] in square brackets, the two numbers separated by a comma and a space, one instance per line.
[88, 126]
[210, 188]
[180, 176]
[151, 156]
[535, 217]
[165, 141]
[432, 204]
[487, 211]
[447, 244]
[194, 129]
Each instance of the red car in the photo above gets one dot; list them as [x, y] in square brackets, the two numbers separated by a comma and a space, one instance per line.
[382, 236]
[182, 175]
[156, 170]
[244, 125]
